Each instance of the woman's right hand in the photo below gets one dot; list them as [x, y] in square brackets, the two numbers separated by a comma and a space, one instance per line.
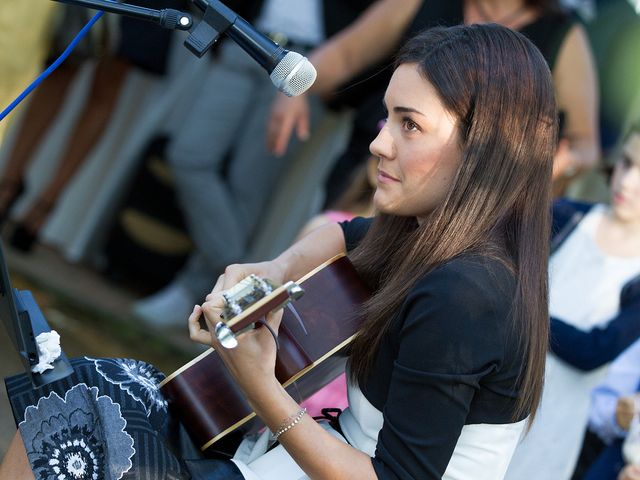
[287, 114]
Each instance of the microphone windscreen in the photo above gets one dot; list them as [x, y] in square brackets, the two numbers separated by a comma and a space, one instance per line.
[293, 75]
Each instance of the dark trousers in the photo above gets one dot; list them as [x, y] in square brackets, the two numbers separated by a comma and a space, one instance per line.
[608, 464]
[592, 447]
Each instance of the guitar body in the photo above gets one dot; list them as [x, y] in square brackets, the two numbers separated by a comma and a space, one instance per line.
[204, 396]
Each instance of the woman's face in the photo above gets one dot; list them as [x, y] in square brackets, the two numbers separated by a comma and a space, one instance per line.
[625, 183]
[417, 148]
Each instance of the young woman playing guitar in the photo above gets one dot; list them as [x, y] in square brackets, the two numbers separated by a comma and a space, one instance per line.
[447, 369]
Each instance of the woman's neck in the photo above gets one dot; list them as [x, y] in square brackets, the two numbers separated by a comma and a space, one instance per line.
[364, 209]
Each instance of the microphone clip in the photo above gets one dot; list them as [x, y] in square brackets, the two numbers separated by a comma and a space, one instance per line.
[216, 20]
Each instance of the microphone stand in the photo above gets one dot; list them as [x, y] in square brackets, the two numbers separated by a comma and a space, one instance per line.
[217, 19]
[167, 18]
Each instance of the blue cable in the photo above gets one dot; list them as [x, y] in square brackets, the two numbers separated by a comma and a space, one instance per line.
[56, 64]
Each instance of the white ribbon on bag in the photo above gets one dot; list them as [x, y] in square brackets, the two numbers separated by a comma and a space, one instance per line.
[48, 351]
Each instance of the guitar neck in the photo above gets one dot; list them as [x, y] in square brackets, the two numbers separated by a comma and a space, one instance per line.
[273, 301]
[204, 395]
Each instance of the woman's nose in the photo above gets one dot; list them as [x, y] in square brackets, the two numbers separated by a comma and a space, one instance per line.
[382, 146]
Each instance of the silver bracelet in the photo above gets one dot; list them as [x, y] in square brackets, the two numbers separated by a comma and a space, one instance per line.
[289, 423]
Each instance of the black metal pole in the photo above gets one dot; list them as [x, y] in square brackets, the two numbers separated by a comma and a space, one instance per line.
[168, 18]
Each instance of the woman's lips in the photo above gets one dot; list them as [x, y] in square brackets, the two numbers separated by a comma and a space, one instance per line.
[384, 177]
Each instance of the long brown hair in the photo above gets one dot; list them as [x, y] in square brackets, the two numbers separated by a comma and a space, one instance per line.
[498, 87]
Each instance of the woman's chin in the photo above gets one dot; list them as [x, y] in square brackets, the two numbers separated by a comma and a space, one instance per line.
[383, 209]
[382, 203]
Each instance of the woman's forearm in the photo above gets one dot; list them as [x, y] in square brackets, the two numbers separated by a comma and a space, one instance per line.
[312, 250]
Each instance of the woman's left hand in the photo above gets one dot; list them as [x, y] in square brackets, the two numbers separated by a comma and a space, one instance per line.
[252, 361]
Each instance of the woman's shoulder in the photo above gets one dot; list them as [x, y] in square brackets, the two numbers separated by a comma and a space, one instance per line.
[354, 230]
[470, 288]
[467, 301]
[470, 271]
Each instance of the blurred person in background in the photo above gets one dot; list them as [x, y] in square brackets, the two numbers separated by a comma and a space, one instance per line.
[613, 28]
[594, 285]
[139, 44]
[25, 36]
[614, 404]
[356, 201]
[223, 173]
[342, 60]
[216, 203]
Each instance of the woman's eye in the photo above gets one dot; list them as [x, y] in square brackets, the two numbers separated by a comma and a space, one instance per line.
[410, 124]
[625, 162]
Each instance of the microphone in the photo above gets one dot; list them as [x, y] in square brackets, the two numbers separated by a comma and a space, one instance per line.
[290, 72]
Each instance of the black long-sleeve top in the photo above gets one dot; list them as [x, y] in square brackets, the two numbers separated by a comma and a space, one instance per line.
[450, 359]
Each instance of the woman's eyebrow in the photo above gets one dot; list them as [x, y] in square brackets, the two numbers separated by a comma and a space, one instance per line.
[407, 110]
[401, 109]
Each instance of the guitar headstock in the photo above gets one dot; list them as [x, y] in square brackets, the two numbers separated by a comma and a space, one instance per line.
[248, 301]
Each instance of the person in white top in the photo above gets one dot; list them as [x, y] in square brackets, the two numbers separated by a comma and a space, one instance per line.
[595, 289]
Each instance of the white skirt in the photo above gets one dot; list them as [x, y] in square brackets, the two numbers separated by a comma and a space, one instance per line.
[256, 463]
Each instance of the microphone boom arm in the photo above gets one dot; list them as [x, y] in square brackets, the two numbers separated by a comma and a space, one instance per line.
[217, 19]
[290, 72]
[167, 18]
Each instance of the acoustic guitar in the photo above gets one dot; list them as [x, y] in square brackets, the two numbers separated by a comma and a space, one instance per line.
[316, 329]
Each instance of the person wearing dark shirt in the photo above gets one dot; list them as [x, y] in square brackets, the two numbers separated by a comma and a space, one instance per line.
[446, 372]
[348, 65]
